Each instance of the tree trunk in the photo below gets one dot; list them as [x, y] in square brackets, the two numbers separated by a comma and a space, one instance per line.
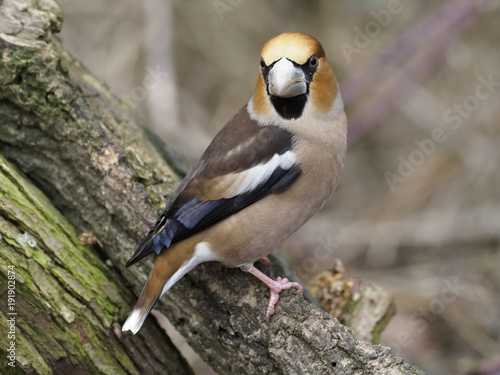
[106, 174]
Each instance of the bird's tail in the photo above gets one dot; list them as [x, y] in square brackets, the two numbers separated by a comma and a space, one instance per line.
[149, 295]
[168, 268]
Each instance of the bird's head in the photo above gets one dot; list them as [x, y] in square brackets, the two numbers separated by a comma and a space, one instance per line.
[295, 80]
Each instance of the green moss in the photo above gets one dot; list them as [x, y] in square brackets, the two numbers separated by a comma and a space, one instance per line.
[382, 323]
[26, 354]
[64, 282]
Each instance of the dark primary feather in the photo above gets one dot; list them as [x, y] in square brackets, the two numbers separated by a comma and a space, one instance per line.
[145, 247]
[185, 214]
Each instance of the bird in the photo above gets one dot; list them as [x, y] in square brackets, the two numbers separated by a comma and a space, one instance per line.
[266, 172]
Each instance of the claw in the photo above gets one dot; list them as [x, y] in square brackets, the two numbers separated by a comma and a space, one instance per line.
[276, 286]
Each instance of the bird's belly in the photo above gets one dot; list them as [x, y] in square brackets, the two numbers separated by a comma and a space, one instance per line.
[254, 232]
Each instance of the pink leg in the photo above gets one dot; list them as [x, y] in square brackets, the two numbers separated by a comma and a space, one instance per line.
[265, 260]
[276, 288]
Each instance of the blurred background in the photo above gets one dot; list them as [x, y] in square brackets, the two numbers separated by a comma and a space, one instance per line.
[418, 207]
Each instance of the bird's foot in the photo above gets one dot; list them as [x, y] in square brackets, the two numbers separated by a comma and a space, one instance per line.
[279, 285]
[276, 286]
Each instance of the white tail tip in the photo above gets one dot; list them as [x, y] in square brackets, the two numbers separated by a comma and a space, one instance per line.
[134, 322]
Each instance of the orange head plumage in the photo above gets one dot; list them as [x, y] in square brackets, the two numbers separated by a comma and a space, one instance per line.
[294, 77]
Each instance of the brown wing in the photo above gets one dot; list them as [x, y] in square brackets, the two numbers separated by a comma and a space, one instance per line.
[244, 163]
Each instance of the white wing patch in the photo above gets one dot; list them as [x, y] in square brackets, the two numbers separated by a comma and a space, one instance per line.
[259, 174]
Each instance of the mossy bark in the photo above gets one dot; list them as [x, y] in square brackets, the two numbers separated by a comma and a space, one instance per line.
[66, 301]
[105, 173]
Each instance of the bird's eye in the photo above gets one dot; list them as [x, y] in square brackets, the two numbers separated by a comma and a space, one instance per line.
[313, 61]
[262, 63]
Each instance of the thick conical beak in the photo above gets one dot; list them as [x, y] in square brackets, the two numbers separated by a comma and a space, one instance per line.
[286, 80]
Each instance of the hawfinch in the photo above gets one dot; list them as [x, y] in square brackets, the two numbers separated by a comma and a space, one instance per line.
[266, 172]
